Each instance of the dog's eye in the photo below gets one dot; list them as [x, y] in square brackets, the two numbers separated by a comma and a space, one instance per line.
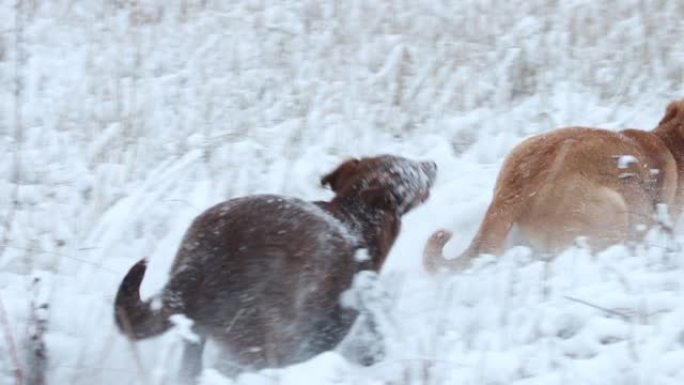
[398, 198]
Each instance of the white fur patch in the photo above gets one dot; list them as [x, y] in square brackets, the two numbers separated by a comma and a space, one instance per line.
[625, 161]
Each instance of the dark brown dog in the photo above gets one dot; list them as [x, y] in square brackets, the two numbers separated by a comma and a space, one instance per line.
[576, 182]
[262, 275]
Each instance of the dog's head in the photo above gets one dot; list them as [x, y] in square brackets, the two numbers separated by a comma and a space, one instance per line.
[386, 180]
[673, 121]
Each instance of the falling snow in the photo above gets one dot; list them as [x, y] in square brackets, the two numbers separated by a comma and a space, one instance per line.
[120, 121]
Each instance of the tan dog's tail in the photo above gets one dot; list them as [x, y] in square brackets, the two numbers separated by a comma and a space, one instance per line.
[490, 239]
[433, 253]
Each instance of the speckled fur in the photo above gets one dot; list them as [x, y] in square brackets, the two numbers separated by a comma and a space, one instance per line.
[262, 275]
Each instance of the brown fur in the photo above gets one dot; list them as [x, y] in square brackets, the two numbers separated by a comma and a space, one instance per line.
[262, 275]
[565, 184]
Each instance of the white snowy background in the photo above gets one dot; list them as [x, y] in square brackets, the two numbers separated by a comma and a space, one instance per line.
[120, 120]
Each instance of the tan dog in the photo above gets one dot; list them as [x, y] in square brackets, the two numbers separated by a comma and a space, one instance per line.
[575, 182]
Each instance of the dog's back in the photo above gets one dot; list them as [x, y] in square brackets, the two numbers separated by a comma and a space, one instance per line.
[272, 281]
[576, 182]
[255, 264]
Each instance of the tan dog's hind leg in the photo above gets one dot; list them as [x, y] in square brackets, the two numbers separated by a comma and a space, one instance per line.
[556, 221]
[609, 219]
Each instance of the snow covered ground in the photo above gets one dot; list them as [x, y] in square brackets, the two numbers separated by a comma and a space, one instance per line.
[122, 120]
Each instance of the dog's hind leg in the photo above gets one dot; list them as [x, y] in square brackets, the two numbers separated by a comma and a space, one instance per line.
[191, 362]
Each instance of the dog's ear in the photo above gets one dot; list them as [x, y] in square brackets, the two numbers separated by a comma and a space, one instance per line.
[673, 110]
[380, 197]
[340, 175]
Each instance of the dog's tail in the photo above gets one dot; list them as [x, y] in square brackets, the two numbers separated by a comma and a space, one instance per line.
[433, 253]
[135, 318]
[490, 239]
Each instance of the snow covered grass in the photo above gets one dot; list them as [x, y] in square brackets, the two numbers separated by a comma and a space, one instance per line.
[121, 120]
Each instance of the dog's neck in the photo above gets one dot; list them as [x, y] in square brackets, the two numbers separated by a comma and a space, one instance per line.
[670, 135]
[375, 228]
[675, 143]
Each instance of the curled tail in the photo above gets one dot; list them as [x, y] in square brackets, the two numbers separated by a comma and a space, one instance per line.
[433, 255]
[135, 318]
[490, 239]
